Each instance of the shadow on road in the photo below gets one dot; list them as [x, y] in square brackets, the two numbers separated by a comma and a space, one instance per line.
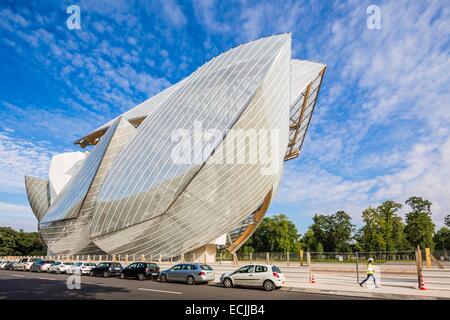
[18, 289]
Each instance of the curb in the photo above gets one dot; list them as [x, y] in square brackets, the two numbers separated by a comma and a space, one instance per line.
[384, 296]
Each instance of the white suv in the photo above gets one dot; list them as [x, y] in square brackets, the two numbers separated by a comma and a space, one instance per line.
[24, 264]
[269, 277]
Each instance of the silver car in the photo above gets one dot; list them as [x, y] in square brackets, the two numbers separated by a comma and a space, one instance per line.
[190, 273]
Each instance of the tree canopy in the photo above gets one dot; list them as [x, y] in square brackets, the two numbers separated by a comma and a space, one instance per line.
[419, 228]
[19, 243]
[275, 234]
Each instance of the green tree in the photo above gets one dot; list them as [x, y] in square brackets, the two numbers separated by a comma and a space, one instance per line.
[342, 230]
[447, 221]
[370, 237]
[419, 228]
[332, 232]
[275, 234]
[383, 228]
[442, 239]
[308, 241]
[391, 226]
[319, 248]
[14, 242]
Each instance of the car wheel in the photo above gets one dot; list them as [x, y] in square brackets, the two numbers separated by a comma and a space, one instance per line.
[163, 278]
[141, 276]
[91, 273]
[122, 276]
[105, 274]
[227, 283]
[190, 280]
[269, 285]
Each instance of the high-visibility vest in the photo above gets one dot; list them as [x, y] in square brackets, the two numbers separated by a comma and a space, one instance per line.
[370, 269]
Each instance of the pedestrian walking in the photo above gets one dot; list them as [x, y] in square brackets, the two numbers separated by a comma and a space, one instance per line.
[370, 273]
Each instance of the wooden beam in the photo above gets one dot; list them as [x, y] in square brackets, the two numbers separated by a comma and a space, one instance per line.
[257, 217]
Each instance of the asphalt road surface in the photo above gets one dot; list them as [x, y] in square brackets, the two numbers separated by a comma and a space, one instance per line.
[28, 285]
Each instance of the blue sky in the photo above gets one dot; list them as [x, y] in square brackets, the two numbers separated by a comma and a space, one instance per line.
[381, 129]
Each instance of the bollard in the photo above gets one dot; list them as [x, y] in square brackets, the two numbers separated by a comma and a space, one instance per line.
[287, 258]
[428, 257]
[251, 257]
[308, 260]
[267, 258]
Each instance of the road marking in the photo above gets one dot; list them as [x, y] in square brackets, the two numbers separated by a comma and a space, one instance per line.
[46, 278]
[162, 291]
[17, 275]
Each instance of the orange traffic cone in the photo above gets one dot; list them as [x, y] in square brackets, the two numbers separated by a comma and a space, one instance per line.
[313, 278]
[422, 284]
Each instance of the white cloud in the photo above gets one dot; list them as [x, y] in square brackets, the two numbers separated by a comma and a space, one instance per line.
[206, 13]
[19, 158]
[172, 12]
[383, 132]
[17, 217]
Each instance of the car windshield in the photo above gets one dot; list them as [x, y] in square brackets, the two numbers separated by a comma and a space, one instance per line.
[205, 267]
[90, 264]
[78, 264]
[276, 269]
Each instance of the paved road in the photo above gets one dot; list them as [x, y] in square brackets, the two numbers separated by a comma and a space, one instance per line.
[27, 285]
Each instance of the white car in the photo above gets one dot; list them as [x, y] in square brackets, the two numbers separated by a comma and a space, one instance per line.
[268, 277]
[59, 267]
[82, 267]
[46, 265]
[3, 264]
[24, 264]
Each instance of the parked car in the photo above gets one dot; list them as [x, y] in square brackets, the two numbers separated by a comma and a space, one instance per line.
[46, 265]
[41, 265]
[190, 273]
[3, 263]
[81, 267]
[106, 269]
[11, 266]
[268, 277]
[59, 267]
[140, 270]
[24, 264]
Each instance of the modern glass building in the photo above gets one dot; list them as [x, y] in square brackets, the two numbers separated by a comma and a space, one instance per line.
[191, 168]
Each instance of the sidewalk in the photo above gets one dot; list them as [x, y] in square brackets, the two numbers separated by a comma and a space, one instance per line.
[375, 293]
[397, 282]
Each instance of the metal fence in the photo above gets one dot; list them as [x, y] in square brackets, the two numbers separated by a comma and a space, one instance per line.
[320, 257]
